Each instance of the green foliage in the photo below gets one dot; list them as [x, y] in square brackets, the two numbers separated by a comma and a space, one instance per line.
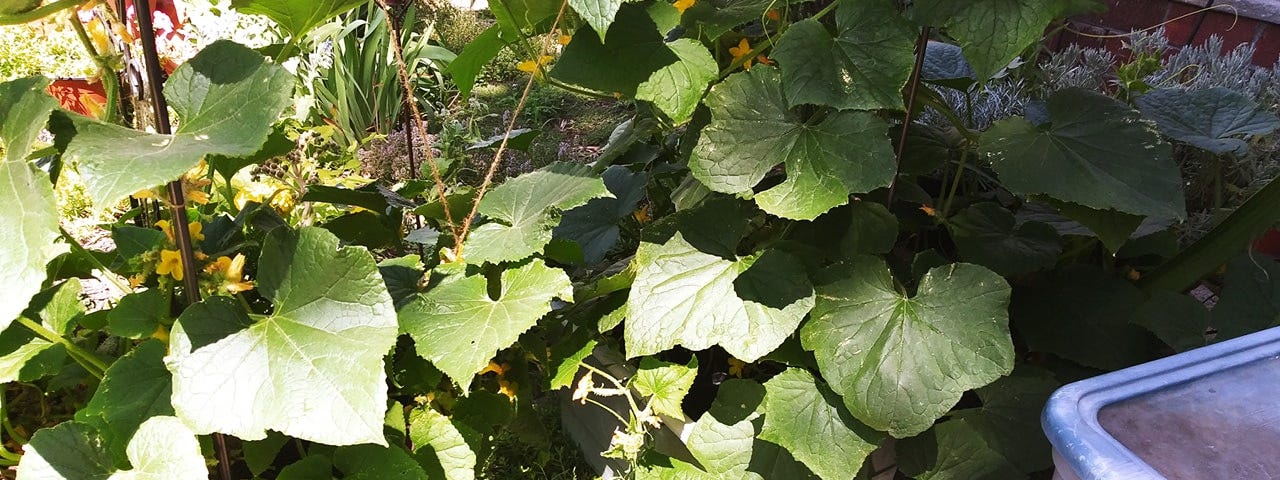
[115, 161]
[858, 292]
[28, 245]
[360, 91]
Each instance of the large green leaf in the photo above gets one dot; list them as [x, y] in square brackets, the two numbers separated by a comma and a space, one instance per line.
[1181, 321]
[523, 211]
[226, 98]
[1082, 314]
[944, 64]
[138, 314]
[520, 17]
[24, 110]
[665, 384]
[297, 16]
[594, 226]
[1212, 119]
[58, 307]
[313, 368]
[723, 449]
[26, 358]
[677, 89]
[598, 13]
[872, 229]
[633, 51]
[683, 296]
[1009, 419]
[431, 431]
[986, 235]
[712, 18]
[868, 338]
[809, 420]
[953, 450]
[459, 326]
[1094, 151]
[1000, 440]
[991, 32]
[1250, 298]
[752, 130]
[136, 387]
[374, 462]
[162, 449]
[479, 52]
[863, 66]
[31, 215]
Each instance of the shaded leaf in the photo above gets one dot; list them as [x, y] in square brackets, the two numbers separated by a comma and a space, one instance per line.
[986, 235]
[375, 462]
[1250, 298]
[594, 226]
[992, 32]
[1180, 321]
[135, 388]
[1083, 315]
[1095, 151]
[138, 314]
[633, 51]
[872, 229]
[1214, 119]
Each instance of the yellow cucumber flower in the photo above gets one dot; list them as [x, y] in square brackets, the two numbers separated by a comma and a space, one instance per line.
[682, 5]
[170, 264]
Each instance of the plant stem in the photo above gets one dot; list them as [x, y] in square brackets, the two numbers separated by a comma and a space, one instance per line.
[616, 383]
[955, 185]
[177, 202]
[913, 85]
[574, 89]
[502, 147]
[86, 359]
[607, 409]
[107, 75]
[106, 273]
[39, 12]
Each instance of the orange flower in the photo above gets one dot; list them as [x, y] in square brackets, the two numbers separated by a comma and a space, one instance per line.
[682, 5]
[742, 51]
[928, 210]
[773, 14]
[564, 39]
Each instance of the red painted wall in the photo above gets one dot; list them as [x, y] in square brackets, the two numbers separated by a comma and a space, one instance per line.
[1185, 26]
